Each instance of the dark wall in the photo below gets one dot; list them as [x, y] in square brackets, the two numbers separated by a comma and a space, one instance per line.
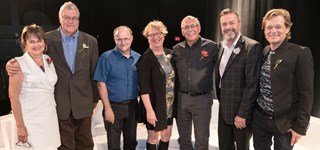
[100, 18]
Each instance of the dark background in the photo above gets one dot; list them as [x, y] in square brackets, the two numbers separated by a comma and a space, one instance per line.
[100, 17]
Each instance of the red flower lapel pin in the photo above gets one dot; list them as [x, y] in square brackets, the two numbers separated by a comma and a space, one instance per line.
[49, 61]
[204, 54]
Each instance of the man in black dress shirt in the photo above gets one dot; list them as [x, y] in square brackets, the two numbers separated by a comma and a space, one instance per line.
[194, 60]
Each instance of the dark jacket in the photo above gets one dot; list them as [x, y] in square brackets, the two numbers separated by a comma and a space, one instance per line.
[152, 81]
[292, 87]
[240, 81]
[74, 93]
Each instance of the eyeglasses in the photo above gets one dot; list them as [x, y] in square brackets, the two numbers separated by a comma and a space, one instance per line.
[67, 18]
[155, 34]
[187, 27]
[123, 40]
[23, 146]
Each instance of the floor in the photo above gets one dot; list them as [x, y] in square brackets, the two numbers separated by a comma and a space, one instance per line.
[309, 142]
[100, 137]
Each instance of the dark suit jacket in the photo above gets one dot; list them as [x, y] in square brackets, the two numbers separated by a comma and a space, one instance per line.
[152, 81]
[74, 93]
[240, 81]
[292, 86]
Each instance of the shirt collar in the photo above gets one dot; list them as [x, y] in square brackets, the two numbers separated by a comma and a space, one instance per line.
[119, 54]
[197, 43]
[224, 43]
[66, 37]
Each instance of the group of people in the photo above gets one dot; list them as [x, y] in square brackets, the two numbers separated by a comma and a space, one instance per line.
[266, 93]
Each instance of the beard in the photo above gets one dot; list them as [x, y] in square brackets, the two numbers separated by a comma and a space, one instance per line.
[228, 36]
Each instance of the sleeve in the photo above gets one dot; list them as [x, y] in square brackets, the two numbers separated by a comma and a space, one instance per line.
[101, 73]
[252, 70]
[94, 59]
[305, 81]
[144, 75]
[22, 64]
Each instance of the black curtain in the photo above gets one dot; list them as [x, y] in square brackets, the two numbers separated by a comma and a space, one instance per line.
[304, 30]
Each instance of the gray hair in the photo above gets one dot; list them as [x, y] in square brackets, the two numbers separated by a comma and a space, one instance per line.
[189, 17]
[70, 6]
[122, 27]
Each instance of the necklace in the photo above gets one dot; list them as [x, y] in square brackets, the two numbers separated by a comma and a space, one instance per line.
[38, 61]
[42, 68]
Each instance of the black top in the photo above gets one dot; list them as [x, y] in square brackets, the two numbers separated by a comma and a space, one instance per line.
[194, 65]
[152, 81]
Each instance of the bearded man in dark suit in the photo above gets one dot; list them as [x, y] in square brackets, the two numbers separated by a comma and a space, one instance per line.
[237, 81]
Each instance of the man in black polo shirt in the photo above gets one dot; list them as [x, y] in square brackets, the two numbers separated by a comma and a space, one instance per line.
[194, 60]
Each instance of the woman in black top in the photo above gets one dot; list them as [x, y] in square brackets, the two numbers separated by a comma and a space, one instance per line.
[156, 82]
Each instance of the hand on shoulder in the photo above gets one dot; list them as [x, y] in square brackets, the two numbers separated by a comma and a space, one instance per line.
[12, 67]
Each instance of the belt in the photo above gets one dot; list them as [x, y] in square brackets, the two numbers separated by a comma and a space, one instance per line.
[126, 102]
[264, 112]
[194, 93]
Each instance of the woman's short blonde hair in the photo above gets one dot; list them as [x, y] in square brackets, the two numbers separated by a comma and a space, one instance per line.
[156, 24]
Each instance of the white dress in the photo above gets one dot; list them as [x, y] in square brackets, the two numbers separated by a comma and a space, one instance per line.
[38, 104]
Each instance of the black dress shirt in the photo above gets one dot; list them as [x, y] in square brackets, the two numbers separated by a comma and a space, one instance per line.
[194, 65]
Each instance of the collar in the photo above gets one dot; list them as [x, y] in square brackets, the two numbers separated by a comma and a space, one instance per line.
[197, 43]
[224, 43]
[119, 54]
[66, 37]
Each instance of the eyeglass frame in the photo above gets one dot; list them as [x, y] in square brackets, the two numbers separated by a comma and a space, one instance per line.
[23, 145]
[187, 27]
[68, 18]
[123, 40]
[155, 34]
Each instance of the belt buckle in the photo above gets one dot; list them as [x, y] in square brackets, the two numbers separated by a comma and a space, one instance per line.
[126, 102]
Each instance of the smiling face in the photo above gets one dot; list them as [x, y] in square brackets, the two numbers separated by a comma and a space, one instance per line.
[155, 38]
[69, 21]
[230, 26]
[123, 39]
[190, 29]
[275, 31]
[34, 45]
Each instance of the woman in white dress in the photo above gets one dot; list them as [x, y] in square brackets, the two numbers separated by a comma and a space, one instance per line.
[31, 95]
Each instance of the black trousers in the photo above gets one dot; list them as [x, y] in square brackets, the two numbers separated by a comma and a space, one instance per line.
[125, 121]
[263, 131]
[230, 137]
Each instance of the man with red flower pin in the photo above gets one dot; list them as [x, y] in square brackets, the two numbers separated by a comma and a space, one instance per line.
[194, 61]
[237, 82]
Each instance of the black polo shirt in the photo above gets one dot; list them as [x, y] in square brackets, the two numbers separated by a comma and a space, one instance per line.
[194, 65]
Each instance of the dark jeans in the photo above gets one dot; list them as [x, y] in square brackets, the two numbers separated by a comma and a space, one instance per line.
[230, 137]
[263, 131]
[196, 109]
[76, 134]
[125, 121]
